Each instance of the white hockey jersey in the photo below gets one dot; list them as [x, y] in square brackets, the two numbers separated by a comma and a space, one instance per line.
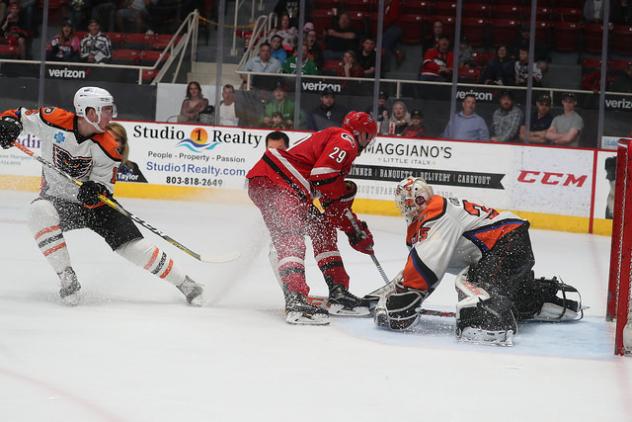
[448, 236]
[95, 158]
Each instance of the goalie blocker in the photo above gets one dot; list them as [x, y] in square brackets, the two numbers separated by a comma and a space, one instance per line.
[492, 252]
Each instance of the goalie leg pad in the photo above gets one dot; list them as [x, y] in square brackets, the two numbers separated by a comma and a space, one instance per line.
[399, 310]
[482, 317]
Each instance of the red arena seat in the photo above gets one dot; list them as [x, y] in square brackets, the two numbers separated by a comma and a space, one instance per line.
[8, 52]
[359, 20]
[412, 26]
[566, 36]
[474, 30]
[139, 41]
[510, 12]
[622, 40]
[475, 10]
[469, 74]
[322, 19]
[150, 57]
[445, 8]
[426, 8]
[592, 38]
[504, 30]
[125, 56]
[149, 75]
[326, 4]
[360, 5]
[117, 38]
[567, 14]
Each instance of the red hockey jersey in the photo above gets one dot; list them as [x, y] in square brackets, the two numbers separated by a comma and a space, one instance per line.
[313, 168]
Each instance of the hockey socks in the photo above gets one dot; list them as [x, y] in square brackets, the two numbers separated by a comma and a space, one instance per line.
[44, 223]
[140, 252]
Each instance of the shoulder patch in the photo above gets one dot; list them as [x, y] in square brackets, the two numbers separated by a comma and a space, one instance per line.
[57, 117]
[108, 145]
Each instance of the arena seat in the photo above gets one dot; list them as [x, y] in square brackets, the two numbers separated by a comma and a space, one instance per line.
[117, 38]
[150, 57]
[566, 14]
[445, 8]
[125, 56]
[359, 21]
[360, 6]
[8, 52]
[149, 75]
[566, 36]
[139, 41]
[322, 19]
[511, 12]
[476, 10]
[622, 40]
[504, 30]
[474, 29]
[425, 8]
[543, 33]
[592, 38]
[412, 28]
[469, 74]
[161, 41]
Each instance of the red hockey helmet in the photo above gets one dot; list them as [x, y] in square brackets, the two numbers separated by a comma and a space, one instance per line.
[358, 123]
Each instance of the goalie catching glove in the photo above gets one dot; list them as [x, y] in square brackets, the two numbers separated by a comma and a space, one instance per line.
[10, 129]
[89, 193]
[339, 214]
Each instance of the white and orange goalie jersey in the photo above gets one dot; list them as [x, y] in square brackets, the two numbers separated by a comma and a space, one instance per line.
[95, 158]
[449, 235]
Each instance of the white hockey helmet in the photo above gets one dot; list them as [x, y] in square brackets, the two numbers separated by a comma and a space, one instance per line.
[96, 98]
[412, 195]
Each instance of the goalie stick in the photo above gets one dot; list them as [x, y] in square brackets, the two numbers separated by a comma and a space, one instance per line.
[212, 259]
[322, 302]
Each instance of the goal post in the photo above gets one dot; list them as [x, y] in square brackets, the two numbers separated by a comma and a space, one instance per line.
[619, 293]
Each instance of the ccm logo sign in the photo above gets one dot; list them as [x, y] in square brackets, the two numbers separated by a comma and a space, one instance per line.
[551, 178]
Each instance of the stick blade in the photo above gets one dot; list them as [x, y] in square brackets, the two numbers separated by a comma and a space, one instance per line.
[220, 259]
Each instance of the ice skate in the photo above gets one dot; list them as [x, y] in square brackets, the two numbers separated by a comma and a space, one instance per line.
[70, 287]
[299, 312]
[343, 303]
[192, 291]
[487, 337]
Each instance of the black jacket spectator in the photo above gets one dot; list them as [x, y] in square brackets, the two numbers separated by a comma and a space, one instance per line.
[500, 70]
[340, 38]
[96, 47]
[327, 114]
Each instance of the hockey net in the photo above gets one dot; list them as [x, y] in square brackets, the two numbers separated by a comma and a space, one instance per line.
[619, 293]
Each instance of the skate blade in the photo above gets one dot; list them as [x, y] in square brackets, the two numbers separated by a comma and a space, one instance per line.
[336, 309]
[298, 318]
[487, 338]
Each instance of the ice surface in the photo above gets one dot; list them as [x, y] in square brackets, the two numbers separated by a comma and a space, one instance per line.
[133, 351]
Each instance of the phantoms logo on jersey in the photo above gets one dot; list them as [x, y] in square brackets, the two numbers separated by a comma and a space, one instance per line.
[77, 167]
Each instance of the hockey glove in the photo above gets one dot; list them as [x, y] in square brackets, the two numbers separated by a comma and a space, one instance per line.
[360, 237]
[10, 129]
[336, 210]
[89, 193]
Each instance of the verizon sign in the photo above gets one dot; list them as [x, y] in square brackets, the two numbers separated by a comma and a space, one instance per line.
[66, 73]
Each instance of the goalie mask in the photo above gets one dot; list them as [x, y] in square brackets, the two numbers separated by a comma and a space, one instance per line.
[95, 98]
[412, 195]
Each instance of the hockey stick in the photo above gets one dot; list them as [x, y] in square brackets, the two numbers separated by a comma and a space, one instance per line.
[116, 206]
[322, 302]
[359, 233]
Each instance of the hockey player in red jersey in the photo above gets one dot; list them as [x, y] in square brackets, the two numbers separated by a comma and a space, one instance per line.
[282, 185]
[79, 145]
[491, 253]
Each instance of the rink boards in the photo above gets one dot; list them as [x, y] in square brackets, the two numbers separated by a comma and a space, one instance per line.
[555, 188]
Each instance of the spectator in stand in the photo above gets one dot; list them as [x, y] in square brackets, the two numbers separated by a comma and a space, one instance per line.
[96, 47]
[65, 46]
[134, 12]
[340, 38]
[309, 66]
[467, 125]
[279, 104]
[415, 128]
[382, 109]
[15, 35]
[500, 70]
[541, 53]
[593, 11]
[506, 119]
[540, 122]
[521, 69]
[194, 103]
[327, 114]
[128, 171]
[313, 48]
[277, 121]
[277, 51]
[437, 64]
[432, 40]
[392, 31]
[264, 62]
[287, 33]
[566, 128]
[399, 120]
[623, 83]
[291, 8]
[349, 67]
[366, 57]
[103, 11]
[228, 113]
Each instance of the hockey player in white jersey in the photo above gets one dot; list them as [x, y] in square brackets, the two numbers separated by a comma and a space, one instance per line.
[79, 145]
[491, 254]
